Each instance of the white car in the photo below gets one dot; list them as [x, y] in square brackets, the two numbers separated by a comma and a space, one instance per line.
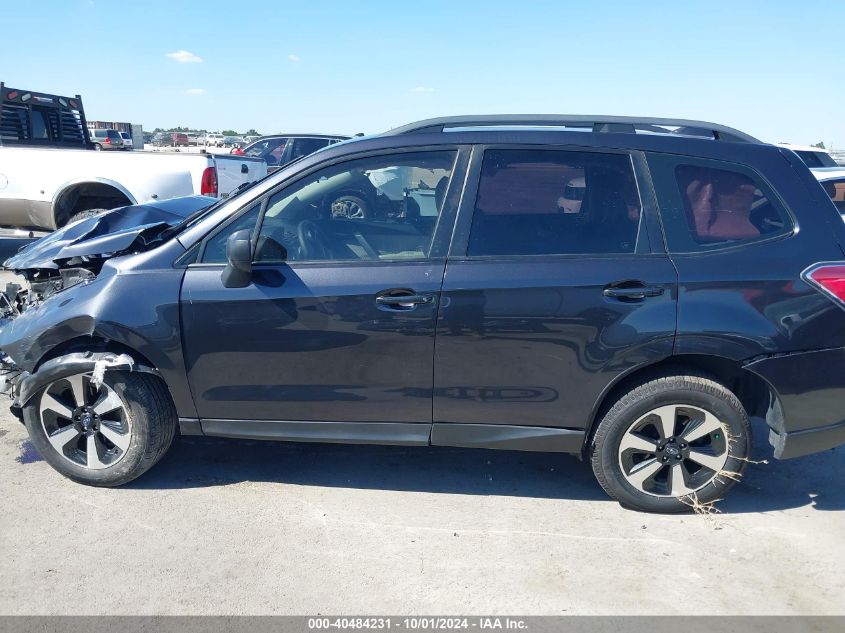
[48, 182]
[127, 140]
[833, 181]
[214, 140]
[811, 155]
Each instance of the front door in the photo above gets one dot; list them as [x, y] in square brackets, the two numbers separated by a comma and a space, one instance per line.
[337, 323]
[555, 291]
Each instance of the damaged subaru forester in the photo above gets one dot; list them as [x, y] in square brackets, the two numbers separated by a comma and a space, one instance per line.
[438, 285]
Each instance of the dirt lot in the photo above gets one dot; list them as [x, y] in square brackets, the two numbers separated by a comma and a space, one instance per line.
[236, 527]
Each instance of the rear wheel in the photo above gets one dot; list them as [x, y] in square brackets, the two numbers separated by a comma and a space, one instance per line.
[672, 444]
[98, 147]
[106, 434]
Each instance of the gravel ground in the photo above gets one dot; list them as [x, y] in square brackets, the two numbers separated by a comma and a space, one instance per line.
[237, 527]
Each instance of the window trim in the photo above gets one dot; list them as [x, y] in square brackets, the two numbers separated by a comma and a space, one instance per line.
[647, 232]
[445, 219]
[662, 166]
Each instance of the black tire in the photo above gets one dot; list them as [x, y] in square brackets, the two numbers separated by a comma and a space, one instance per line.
[87, 213]
[697, 392]
[154, 421]
[98, 147]
[349, 206]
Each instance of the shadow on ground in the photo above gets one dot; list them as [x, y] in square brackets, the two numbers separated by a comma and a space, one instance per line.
[195, 462]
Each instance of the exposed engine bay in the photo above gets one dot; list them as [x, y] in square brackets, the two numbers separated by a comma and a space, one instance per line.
[67, 258]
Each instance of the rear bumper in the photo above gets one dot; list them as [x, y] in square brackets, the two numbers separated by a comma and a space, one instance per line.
[788, 445]
[809, 416]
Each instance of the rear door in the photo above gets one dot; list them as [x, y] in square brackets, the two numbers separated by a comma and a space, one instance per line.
[557, 284]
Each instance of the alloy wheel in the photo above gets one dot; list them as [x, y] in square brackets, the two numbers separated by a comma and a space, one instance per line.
[86, 424]
[673, 450]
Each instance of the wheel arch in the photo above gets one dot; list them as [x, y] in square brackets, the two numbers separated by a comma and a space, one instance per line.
[69, 194]
[756, 395]
[82, 354]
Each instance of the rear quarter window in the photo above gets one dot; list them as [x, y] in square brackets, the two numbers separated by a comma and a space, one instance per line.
[707, 205]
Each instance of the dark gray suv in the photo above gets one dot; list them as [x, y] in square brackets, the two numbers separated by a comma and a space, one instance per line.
[464, 299]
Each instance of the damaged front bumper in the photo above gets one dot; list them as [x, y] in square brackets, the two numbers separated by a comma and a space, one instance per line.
[21, 385]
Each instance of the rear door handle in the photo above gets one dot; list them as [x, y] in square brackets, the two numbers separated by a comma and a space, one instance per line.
[402, 300]
[636, 292]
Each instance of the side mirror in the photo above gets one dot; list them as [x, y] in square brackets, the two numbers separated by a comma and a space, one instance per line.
[239, 253]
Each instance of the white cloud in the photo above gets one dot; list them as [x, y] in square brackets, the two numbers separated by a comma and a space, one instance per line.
[195, 91]
[294, 58]
[185, 57]
[422, 89]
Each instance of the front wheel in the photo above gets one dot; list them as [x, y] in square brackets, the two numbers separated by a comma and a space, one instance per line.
[672, 444]
[106, 434]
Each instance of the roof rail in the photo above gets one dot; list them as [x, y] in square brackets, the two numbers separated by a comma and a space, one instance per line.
[616, 124]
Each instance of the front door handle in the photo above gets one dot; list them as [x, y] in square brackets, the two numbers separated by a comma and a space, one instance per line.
[633, 292]
[402, 300]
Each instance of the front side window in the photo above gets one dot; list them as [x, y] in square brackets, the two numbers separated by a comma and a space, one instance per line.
[553, 202]
[373, 209]
[215, 247]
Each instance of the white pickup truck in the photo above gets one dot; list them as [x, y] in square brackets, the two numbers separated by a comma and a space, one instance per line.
[50, 175]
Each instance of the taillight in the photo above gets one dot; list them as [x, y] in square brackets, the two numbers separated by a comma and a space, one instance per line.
[829, 278]
[208, 183]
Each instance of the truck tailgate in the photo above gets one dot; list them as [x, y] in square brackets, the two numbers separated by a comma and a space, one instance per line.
[233, 171]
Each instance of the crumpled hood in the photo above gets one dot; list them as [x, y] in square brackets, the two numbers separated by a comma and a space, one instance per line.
[104, 235]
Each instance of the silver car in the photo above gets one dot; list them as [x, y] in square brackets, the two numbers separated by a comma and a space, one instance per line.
[106, 139]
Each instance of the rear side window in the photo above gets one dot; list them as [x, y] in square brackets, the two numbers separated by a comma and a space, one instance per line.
[552, 202]
[710, 204]
[305, 146]
[836, 190]
[816, 159]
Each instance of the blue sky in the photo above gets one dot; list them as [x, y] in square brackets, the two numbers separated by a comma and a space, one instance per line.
[773, 69]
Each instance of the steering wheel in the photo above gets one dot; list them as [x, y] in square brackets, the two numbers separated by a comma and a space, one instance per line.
[312, 241]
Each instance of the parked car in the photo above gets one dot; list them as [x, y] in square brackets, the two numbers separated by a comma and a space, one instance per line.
[250, 139]
[280, 149]
[460, 307]
[178, 139]
[231, 141]
[813, 156]
[51, 177]
[192, 139]
[214, 140]
[106, 139]
[161, 139]
[833, 182]
[127, 140]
